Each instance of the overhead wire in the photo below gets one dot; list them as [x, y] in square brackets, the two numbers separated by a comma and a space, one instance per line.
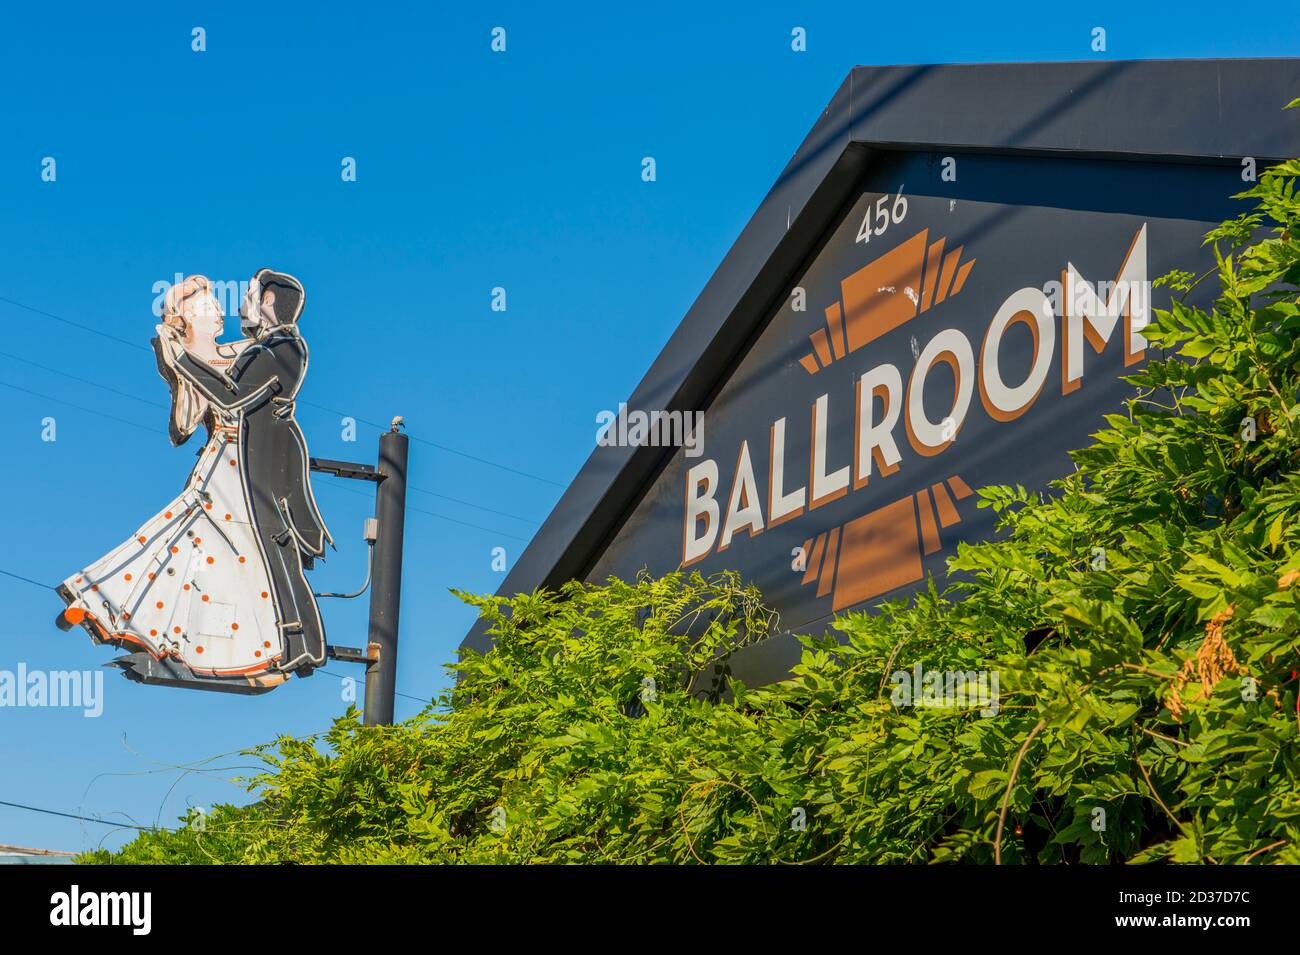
[311, 404]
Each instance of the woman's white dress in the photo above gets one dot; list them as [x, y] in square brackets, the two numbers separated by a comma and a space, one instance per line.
[191, 583]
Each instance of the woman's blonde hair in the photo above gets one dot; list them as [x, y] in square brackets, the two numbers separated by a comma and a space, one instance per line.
[176, 297]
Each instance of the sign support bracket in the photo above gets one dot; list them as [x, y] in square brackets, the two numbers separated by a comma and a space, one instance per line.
[380, 653]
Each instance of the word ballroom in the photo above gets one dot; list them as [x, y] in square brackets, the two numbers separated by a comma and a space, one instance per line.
[884, 406]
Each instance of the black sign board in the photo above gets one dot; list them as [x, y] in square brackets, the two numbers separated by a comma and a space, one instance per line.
[940, 293]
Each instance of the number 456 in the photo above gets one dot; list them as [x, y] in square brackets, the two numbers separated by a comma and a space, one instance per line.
[881, 216]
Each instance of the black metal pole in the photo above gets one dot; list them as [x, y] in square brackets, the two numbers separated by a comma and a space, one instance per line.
[386, 579]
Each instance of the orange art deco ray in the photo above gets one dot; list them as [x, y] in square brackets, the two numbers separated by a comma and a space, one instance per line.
[884, 295]
[883, 549]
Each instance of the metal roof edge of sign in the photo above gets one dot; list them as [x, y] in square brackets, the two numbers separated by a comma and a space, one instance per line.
[1153, 110]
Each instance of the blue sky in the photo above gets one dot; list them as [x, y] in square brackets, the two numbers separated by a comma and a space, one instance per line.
[474, 170]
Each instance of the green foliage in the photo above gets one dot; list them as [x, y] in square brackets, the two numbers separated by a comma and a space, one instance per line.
[1140, 619]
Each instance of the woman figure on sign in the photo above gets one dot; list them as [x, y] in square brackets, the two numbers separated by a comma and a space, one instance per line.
[188, 593]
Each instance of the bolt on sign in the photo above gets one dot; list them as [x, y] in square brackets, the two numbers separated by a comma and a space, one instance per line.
[942, 292]
[211, 593]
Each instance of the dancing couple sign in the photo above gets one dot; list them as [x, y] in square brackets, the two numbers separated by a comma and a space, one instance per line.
[211, 592]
